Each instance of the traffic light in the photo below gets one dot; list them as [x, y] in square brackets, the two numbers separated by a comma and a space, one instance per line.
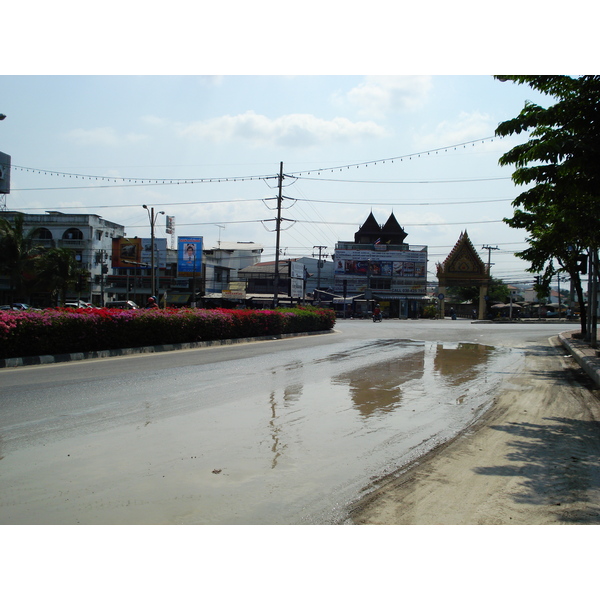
[581, 262]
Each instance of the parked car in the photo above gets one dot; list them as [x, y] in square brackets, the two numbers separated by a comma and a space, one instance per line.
[122, 304]
[17, 306]
[79, 304]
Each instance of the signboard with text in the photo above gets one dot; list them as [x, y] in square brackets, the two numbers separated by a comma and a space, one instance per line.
[404, 270]
[189, 255]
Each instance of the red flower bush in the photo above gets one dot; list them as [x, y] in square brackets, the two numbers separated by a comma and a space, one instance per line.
[63, 331]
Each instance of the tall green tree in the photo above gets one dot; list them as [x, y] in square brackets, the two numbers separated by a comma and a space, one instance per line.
[18, 253]
[497, 292]
[559, 162]
[58, 272]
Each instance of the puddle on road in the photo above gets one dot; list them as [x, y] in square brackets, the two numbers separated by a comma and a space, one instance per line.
[296, 443]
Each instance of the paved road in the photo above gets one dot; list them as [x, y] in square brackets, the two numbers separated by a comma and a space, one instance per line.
[280, 431]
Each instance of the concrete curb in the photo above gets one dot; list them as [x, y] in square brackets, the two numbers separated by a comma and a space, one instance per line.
[46, 359]
[583, 353]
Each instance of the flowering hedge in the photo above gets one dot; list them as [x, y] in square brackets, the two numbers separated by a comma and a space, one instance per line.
[66, 330]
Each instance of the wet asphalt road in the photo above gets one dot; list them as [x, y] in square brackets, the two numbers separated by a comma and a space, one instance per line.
[280, 431]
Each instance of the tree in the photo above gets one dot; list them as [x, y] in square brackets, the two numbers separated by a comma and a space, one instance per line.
[497, 292]
[17, 255]
[560, 161]
[58, 271]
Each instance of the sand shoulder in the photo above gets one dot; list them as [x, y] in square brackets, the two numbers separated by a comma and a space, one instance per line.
[534, 458]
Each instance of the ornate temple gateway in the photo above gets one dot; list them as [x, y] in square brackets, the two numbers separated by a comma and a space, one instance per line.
[463, 267]
[379, 267]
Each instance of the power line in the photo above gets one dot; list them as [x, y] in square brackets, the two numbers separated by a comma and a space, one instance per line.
[416, 181]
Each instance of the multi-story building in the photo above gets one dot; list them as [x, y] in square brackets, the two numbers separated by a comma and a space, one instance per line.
[88, 236]
[378, 267]
[223, 263]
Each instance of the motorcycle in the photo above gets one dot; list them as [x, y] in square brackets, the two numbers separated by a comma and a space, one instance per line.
[377, 318]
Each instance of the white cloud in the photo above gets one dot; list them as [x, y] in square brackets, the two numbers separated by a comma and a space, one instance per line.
[379, 96]
[288, 130]
[467, 126]
[103, 136]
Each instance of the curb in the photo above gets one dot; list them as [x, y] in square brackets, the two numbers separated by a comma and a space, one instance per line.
[46, 359]
[584, 354]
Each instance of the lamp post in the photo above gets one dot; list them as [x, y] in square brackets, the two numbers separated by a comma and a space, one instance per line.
[152, 218]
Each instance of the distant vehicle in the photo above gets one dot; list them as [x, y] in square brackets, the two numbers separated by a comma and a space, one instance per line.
[79, 304]
[16, 306]
[122, 304]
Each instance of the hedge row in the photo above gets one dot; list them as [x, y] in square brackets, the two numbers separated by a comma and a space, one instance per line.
[63, 331]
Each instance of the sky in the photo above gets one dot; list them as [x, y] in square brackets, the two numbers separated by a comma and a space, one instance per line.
[105, 128]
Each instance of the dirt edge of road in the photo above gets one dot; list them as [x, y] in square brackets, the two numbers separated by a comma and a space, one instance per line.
[532, 458]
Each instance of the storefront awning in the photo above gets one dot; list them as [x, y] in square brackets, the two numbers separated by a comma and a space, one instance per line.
[178, 298]
[377, 296]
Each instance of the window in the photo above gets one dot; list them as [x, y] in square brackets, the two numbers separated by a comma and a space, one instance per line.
[72, 234]
[381, 284]
[42, 234]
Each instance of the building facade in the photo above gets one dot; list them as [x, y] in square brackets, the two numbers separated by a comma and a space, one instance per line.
[88, 236]
[379, 267]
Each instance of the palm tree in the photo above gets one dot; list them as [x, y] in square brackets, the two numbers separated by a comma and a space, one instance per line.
[17, 255]
[58, 271]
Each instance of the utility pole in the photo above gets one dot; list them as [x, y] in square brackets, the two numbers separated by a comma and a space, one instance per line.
[593, 298]
[278, 229]
[489, 262]
[483, 297]
[321, 248]
[152, 224]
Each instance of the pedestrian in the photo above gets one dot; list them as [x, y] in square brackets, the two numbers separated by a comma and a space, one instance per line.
[151, 302]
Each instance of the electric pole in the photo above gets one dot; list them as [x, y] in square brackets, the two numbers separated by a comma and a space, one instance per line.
[278, 229]
[321, 248]
[489, 262]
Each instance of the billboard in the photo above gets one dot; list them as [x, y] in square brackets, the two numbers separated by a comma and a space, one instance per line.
[406, 271]
[136, 253]
[4, 173]
[406, 263]
[189, 255]
[170, 228]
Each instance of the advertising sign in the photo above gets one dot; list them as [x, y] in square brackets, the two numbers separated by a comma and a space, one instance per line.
[136, 253]
[296, 270]
[236, 291]
[160, 252]
[296, 288]
[126, 253]
[406, 263]
[4, 173]
[405, 270]
[189, 255]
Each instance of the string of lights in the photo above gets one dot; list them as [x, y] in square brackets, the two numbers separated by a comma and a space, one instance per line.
[150, 181]
[400, 158]
[133, 181]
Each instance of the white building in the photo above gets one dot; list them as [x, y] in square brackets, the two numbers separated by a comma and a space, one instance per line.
[88, 236]
[223, 263]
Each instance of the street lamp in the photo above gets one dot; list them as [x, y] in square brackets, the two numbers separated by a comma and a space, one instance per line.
[152, 218]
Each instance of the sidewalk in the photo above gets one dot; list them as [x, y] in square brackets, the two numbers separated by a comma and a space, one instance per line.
[583, 353]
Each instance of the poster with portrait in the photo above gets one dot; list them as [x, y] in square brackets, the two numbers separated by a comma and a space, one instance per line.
[189, 255]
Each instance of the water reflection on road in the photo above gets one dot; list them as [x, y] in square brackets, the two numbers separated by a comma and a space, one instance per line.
[291, 442]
